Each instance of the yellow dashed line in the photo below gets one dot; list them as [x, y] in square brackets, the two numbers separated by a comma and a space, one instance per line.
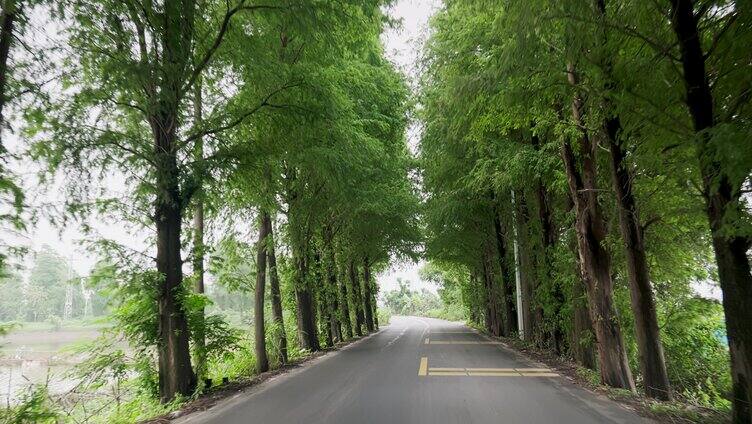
[423, 368]
[457, 342]
[492, 369]
[539, 374]
[423, 371]
[493, 374]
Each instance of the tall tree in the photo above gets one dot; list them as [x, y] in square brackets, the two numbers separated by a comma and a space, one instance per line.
[259, 340]
[722, 192]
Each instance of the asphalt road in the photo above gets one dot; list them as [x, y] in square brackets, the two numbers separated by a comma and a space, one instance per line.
[418, 370]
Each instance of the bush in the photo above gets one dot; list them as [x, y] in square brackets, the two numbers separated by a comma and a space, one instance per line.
[696, 352]
[34, 407]
[385, 315]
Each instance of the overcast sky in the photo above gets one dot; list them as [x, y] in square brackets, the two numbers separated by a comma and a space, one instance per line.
[403, 47]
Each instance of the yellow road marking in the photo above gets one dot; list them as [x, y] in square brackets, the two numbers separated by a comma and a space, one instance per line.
[423, 369]
[539, 374]
[493, 374]
[458, 342]
[493, 369]
[452, 332]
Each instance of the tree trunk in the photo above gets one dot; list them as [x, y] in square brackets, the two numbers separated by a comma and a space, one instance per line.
[509, 313]
[306, 316]
[722, 199]
[7, 20]
[548, 242]
[374, 305]
[344, 301]
[357, 299]
[262, 361]
[582, 337]
[326, 320]
[176, 376]
[367, 295]
[594, 258]
[277, 314]
[492, 315]
[332, 288]
[649, 346]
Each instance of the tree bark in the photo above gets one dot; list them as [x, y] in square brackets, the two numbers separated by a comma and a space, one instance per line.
[175, 373]
[722, 199]
[262, 361]
[368, 309]
[357, 299]
[594, 258]
[332, 287]
[344, 301]
[548, 242]
[7, 20]
[306, 316]
[374, 305]
[492, 313]
[277, 313]
[582, 337]
[649, 346]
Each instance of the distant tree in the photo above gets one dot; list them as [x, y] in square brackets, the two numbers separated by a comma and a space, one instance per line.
[48, 283]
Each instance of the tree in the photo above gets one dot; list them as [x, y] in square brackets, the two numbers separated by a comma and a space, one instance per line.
[129, 111]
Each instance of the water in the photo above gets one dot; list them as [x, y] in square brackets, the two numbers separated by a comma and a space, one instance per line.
[30, 357]
[17, 375]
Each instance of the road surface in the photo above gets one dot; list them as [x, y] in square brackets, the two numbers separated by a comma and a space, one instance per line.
[418, 370]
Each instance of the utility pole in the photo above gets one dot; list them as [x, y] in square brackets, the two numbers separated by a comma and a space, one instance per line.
[521, 324]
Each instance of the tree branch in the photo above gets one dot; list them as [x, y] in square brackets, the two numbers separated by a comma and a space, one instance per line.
[239, 120]
[223, 27]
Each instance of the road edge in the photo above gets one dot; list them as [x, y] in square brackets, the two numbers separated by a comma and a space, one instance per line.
[240, 389]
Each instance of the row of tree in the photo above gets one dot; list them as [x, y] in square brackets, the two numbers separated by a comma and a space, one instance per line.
[52, 290]
[279, 121]
[587, 149]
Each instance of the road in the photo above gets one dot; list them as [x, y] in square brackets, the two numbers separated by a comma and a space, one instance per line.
[418, 370]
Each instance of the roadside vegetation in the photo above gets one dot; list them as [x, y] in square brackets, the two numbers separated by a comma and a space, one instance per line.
[587, 165]
[250, 159]
[240, 172]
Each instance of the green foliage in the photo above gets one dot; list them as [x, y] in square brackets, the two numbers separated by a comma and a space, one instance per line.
[33, 407]
[385, 316]
[496, 107]
[694, 339]
[404, 301]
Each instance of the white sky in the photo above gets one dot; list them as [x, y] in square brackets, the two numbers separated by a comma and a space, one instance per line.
[403, 47]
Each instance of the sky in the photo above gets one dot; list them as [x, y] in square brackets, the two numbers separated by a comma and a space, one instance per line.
[403, 47]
